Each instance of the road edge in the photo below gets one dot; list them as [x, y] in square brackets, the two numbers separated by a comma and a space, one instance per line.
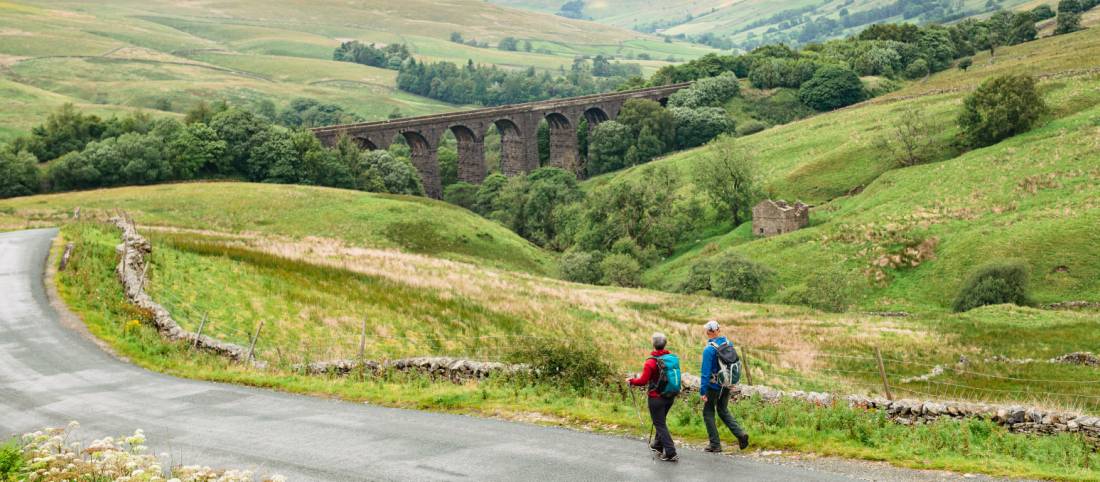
[69, 319]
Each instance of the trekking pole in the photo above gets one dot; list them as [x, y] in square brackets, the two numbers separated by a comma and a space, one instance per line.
[637, 411]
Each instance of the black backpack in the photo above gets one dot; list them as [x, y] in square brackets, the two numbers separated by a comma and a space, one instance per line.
[729, 365]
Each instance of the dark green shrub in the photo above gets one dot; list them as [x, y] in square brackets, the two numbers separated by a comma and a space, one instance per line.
[1000, 108]
[729, 276]
[965, 63]
[575, 363]
[750, 127]
[621, 270]
[581, 266]
[994, 284]
[19, 174]
[11, 460]
[1042, 12]
[695, 127]
[831, 88]
[737, 278]
[461, 194]
[1067, 22]
[829, 291]
[698, 278]
[707, 92]
[917, 69]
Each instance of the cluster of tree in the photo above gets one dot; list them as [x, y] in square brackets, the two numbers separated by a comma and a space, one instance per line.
[804, 25]
[491, 86]
[644, 130]
[572, 9]
[309, 113]
[215, 142]
[512, 44]
[887, 50]
[1069, 15]
[730, 276]
[458, 39]
[388, 57]
[610, 234]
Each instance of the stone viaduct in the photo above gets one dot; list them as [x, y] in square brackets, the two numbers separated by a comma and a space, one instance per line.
[518, 126]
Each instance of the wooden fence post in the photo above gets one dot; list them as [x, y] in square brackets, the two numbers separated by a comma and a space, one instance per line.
[255, 336]
[198, 334]
[882, 373]
[65, 256]
[745, 363]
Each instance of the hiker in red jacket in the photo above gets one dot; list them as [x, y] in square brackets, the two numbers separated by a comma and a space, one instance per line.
[660, 400]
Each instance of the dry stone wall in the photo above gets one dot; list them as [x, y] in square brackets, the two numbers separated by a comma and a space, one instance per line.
[133, 254]
[911, 412]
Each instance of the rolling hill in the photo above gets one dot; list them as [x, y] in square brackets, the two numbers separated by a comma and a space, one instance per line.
[749, 23]
[1033, 196]
[167, 56]
[351, 218]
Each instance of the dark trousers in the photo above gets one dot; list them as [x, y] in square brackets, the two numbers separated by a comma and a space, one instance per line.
[658, 412]
[719, 399]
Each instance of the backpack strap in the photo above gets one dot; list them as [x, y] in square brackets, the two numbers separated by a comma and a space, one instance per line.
[655, 380]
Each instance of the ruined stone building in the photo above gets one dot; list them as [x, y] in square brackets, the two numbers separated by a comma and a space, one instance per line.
[770, 218]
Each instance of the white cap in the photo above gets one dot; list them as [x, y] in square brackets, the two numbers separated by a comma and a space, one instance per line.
[711, 325]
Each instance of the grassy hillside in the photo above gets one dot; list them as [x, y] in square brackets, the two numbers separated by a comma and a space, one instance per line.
[349, 218]
[742, 21]
[1033, 196]
[167, 56]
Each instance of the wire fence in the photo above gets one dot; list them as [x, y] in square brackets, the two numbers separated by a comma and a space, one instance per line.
[1052, 384]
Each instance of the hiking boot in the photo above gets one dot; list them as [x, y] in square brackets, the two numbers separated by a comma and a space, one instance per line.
[743, 441]
[717, 449]
[670, 458]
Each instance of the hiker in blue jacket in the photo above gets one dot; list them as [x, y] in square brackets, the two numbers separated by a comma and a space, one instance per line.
[714, 395]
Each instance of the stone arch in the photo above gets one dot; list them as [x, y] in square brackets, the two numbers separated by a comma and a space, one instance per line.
[595, 115]
[364, 143]
[424, 155]
[563, 142]
[471, 154]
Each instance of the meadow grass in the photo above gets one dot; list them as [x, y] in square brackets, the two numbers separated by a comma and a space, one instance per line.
[89, 287]
[413, 224]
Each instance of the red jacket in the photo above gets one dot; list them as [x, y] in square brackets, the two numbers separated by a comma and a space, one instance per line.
[649, 371]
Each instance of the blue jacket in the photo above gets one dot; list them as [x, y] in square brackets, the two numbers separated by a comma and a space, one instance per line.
[710, 366]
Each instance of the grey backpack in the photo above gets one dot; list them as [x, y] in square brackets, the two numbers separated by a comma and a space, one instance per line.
[729, 365]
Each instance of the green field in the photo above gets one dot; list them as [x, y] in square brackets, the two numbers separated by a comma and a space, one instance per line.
[740, 20]
[351, 218]
[166, 57]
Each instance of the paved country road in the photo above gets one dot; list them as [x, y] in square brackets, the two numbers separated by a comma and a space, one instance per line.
[51, 374]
